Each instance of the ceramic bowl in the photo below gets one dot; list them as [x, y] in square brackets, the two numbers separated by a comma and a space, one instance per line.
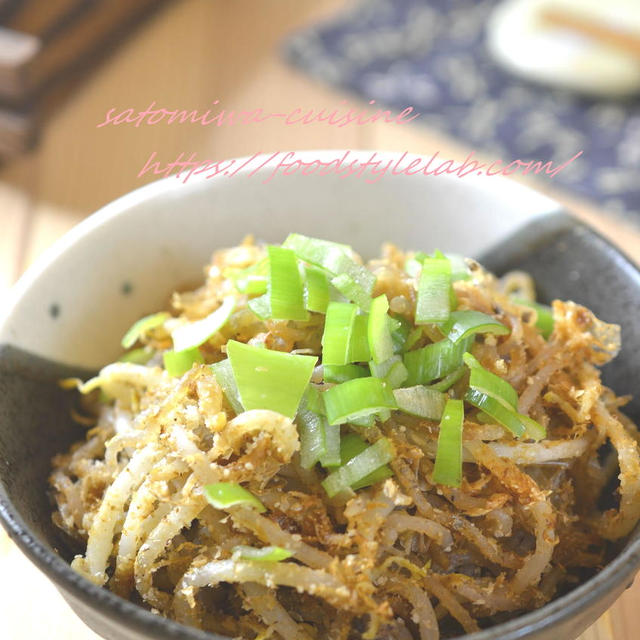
[70, 309]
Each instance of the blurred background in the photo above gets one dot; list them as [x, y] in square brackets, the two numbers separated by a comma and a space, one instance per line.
[514, 79]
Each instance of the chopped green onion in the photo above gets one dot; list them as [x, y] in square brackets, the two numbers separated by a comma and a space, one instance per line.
[269, 379]
[338, 328]
[352, 445]
[490, 383]
[352, 290]
[265, 554]
[334, 258]
[462, 324]
[316, 289]
[400, 331]
[224, 375]
[261, 306]
[413, 265]
[380, 340]
[397, 375]
[196, 333]
[519, 424]
[311, 428]
[434, 361]
[497, 399]
[137, 356]
[433, 304]
[381, 369]
[319, 441]
[448, 466]
[341, 373]
[392, 371]
[448, 381]
[421, 401]
[313, 400]
[370, 420]
[459, 268]
[359, 343]
[412, 338]
[534, 429]
[178, 363]
[286, 294]
[252, 280]
[332, 440]
[223, 495]
[506, 417]
[141, 327]
[357, 469]
[356, 399]
[364, 421]
[544, 313]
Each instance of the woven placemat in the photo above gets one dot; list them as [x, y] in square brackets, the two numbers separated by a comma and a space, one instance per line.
[432, 55]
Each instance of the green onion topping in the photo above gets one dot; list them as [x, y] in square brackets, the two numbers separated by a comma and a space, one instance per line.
[196, 333]
[223, 495]
[412, 338]
[352, 445]
[544, 313]
[359, 344]
[141, 327]
[435, 360]
[434, 304]
[332, 257]
[178, 363]
[359, 469]
[380, 340]
[338, 327]
[352, 290]
[261, 306]
[413, 265]
[265, 554]
[448, 381]
[392, 371]
[490, 383]
[224, 375]
[462, 324]
[499, 400]
[448, 466]
[252, 280]
[316, 289]
[421, 401]
[356, 399]
[285, 291]
[459, 268]
[341, 373]
[492, 407]
[137, 356]
[269, 379]
[319, 441]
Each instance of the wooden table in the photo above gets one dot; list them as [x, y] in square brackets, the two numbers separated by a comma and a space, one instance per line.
[193, 52]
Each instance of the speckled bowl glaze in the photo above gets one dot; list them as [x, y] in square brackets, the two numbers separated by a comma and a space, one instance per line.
[70, 309]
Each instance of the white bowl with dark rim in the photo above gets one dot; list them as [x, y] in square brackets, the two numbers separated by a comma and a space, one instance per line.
[70, 309]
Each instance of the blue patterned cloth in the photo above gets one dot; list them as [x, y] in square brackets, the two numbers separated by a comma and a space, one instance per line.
[431, 54]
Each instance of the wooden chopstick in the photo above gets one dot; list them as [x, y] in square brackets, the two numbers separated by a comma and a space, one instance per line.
[605, 34]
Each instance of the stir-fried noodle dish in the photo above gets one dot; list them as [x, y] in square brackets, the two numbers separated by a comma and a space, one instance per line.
[308, 447]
